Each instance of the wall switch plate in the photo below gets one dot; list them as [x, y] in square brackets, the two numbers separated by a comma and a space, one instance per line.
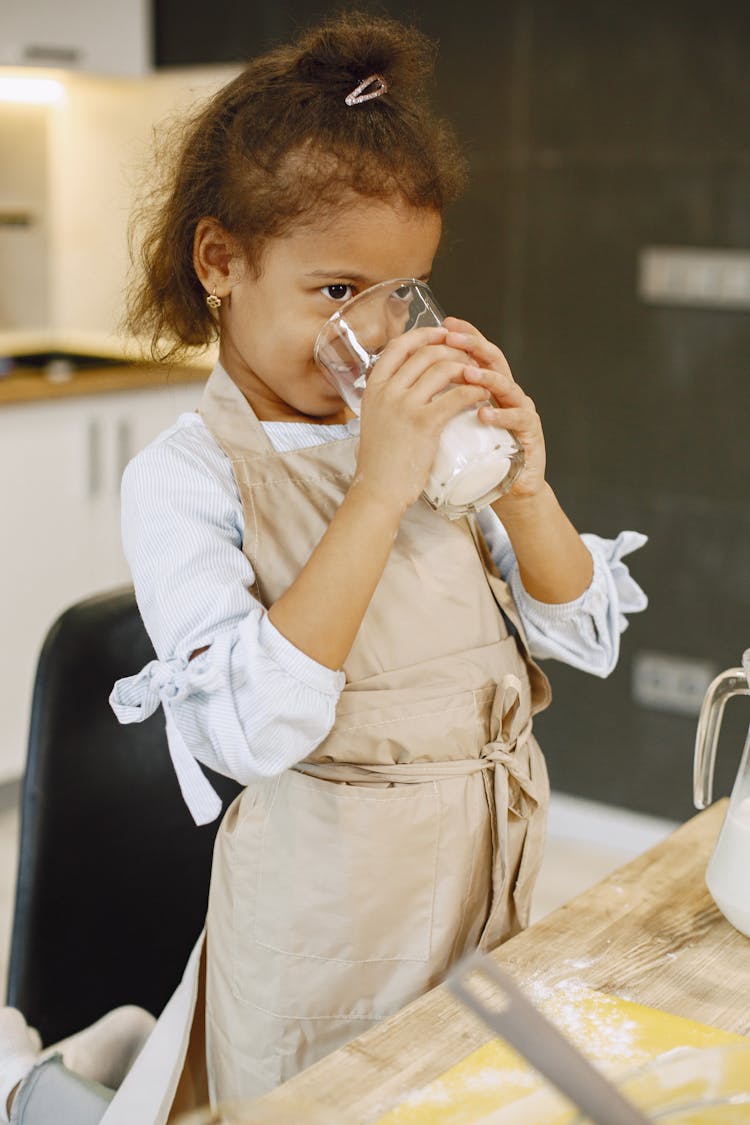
[683, 275]
[670, 683]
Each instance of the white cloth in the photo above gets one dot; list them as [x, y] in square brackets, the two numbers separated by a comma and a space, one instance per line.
[20, 1047]
[253, 705]
[105, 1051]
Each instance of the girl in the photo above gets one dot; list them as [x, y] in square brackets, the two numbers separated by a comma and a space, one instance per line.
[363, 665]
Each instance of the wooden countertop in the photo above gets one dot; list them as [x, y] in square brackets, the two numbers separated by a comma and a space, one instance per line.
[650, 931]
[31, 385]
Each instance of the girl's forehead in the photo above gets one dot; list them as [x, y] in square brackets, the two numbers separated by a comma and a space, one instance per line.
[367, 234]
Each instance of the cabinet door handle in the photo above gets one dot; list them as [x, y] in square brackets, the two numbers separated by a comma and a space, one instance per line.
[94, 458]
[51, 55]
[124, 448]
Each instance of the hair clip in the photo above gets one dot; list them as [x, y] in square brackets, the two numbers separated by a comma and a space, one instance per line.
[378, 86]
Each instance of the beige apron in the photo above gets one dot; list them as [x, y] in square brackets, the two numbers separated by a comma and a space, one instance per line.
[348, 885]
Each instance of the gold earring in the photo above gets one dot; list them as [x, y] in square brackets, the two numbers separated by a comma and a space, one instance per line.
[213, 301]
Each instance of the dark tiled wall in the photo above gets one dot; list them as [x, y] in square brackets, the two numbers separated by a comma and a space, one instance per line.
[596, 128]
[604, 128]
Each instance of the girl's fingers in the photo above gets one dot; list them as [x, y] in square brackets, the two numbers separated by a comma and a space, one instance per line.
[523, 420]
[427, 375]
[438, 362]
[458, 397]
[435, 379]
[463, 335]
[500, 385]
[454, 324]
[431, 363]
[399, 350]
[432, 368]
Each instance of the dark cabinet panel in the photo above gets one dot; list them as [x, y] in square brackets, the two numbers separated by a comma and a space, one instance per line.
[475, 70]
[596, 128]
[188, 32]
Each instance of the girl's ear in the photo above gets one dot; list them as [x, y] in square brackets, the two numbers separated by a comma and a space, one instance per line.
[217, 257]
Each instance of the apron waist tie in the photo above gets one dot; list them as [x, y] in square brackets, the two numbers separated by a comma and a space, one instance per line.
[414, 773]
[496, 788]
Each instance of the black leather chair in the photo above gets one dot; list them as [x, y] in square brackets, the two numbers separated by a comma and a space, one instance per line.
[113, 874]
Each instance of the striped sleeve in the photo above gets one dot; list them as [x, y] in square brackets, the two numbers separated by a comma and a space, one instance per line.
[584, 633]
[253, 704]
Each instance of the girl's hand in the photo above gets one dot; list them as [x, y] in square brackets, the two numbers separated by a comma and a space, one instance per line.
[404, 413]
[515, 410]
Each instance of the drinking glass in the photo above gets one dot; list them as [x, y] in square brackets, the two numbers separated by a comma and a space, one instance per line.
[475, 463]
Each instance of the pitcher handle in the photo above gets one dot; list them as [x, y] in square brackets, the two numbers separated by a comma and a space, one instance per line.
[729, 683]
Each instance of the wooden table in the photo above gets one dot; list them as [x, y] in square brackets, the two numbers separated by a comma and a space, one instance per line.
[650, 931]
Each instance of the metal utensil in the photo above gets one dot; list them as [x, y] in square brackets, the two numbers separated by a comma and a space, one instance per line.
[547, 1049]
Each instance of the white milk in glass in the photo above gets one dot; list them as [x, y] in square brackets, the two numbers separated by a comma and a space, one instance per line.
[472, 459]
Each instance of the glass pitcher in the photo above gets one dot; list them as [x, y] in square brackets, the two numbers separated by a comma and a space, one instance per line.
[728, 872]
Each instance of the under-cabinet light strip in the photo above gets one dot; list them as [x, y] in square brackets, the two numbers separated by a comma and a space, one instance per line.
[31, 91]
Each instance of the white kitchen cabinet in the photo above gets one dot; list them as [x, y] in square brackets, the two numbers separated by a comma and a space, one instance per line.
[60, 466]
[97, 36]
[118, 426]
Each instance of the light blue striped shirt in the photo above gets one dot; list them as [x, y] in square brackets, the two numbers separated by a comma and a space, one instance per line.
[253, 705]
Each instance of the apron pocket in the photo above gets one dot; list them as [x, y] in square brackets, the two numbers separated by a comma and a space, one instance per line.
[348, 872]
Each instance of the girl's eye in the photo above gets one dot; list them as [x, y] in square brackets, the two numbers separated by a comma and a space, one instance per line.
[338, 292]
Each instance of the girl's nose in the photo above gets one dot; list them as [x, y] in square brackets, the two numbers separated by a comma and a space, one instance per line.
[372, 331]
[377, 322]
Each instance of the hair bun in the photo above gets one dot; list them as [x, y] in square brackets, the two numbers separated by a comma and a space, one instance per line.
[347, 48]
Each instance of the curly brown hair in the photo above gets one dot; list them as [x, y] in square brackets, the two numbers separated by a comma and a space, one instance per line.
[279, 142]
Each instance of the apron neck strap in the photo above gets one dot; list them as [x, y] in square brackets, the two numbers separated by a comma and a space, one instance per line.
[231, 419]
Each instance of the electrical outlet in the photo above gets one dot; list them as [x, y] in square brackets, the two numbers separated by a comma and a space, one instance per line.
[683, 275]
[670, 683]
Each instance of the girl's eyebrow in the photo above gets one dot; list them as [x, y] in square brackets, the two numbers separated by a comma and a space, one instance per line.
[337, 273]
[349, 275]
